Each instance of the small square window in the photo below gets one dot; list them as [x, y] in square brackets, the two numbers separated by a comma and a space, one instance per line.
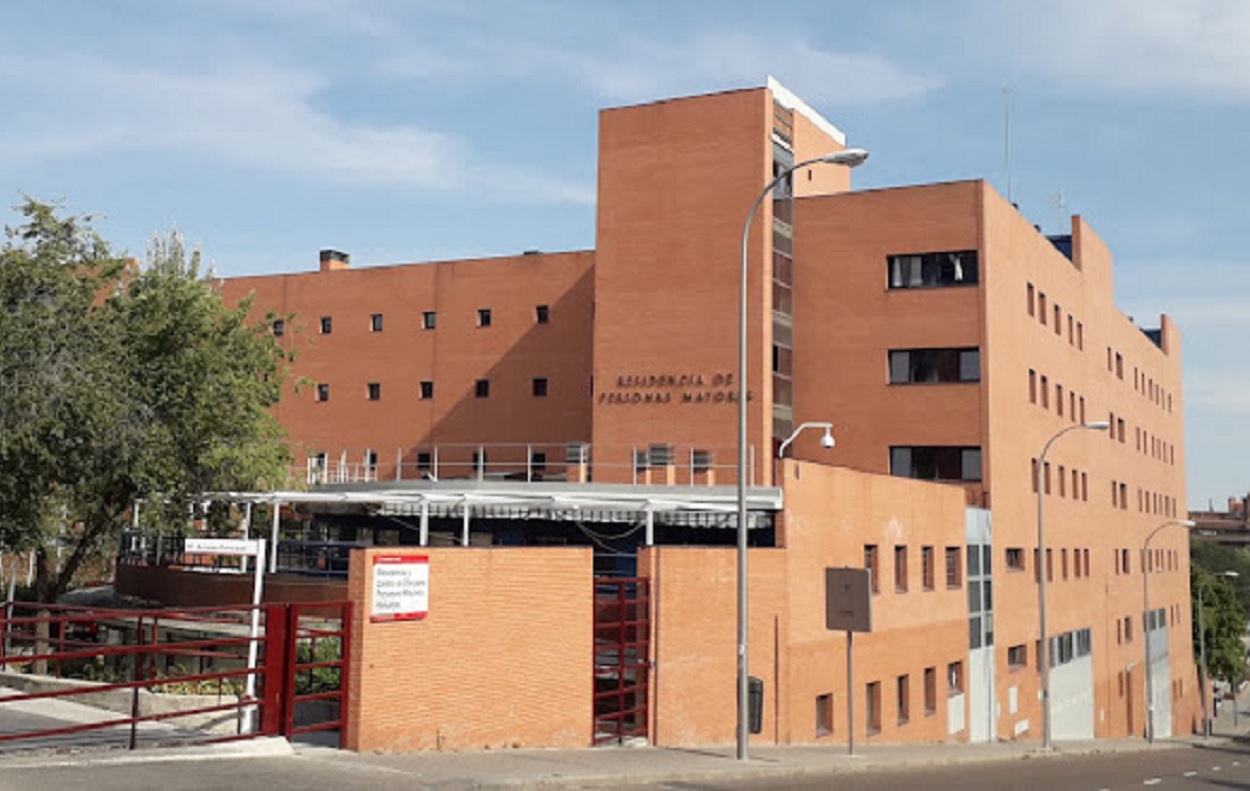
[279, 328]
[375, 391]
[427, 390]
[1017, 657]
[429, 320]
[483, 317]
[481, 388]
[323, 392]
[540, 387]
[375, 322]
[1015, 559]
[542, 314]
[326, 325]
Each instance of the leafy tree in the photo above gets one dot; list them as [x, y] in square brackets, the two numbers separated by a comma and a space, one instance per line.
[1223, 623]
[119, 383]
[1219, 559]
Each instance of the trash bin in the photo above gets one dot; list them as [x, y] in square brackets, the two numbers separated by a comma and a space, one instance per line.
[755, 704]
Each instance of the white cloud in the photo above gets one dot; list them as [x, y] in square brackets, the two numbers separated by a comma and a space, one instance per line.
[249, 114]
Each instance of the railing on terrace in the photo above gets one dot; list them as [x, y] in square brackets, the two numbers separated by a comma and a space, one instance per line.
[667, 465]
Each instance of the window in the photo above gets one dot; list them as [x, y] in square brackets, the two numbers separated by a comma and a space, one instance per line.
[926, 567]
[542, 314]
[940, 463]
[1080, 336]
[483, 317]
[1041, 307]
[1017, 657]
[930, 270]
[327, 324]
[1119, 366]
[874, 707]
[429, 320]
[423, 461]
[1071, 330]
[955, 678]
[371, 462]
[871, 563]
[375, 322]
[1032, 386]
[539, 387]
[1062, 481]
[375, 391]
[1059, 399]
[824, 714]
[481, 388]
[323, 392]
[1015, 559]
[1058, 321]
[1119, 429]
[1045, 392]
[930, 691]
[909, 366]
[903, 687]
[1032, 296]
[954, 575]
[427, 390]
[279, 328]
[900, 568]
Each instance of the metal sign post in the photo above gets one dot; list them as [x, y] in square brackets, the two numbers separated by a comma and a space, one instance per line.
[848, 608]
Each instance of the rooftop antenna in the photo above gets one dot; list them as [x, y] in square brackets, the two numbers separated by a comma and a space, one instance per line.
[1007, 137]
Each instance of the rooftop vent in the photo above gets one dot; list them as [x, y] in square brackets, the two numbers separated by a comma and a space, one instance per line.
[533, 252]
[334, 259]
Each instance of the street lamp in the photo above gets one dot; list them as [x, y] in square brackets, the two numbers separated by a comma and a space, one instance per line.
[1145, 629]
[850, 157]
[826, 442]
[1202, 660]
[1043, 659]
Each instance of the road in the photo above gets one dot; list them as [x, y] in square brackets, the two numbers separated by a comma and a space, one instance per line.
[1219, 767]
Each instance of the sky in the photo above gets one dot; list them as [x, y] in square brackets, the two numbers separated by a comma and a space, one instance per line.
[410, 130]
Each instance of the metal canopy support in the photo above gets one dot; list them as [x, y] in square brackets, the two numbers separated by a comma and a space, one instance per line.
[273, 546]
[464, 534]
[650, 527]
[425, 523]
[246, 527]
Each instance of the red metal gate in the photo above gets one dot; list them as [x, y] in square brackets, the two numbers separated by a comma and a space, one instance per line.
[78, 676]
[622, 652]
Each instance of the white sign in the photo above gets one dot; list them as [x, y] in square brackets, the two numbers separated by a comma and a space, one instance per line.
[401, 588]
[221, 546]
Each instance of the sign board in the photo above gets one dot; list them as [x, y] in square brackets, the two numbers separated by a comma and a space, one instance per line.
[848, 600]
[221, 546]
[401, 587]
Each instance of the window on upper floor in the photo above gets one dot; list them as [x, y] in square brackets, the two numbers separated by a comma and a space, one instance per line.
[872, 564]
[375, 322]
[429, 320]
[542, 314]
[940, 463]
[933, 270]
[481, 388]
[427, 390]
[375, 391]
[910, 366]
[327, 324]
[539, 386]
[279, 328]
[483, 317]
[323, 392]
[1015, 558]
[900, 568]
[1032, 292]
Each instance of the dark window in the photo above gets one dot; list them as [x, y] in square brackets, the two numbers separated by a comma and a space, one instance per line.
[481, 388]
[935, 365]
[423, 461]
[279, 328]
[824, 714]
[429, 320]
[871, 563]
[327, 325]
[323, 392]
[1015, 559]
[904, 698]
[954, 575]
[874, 707]
[900, 568]
[375, 391]
[540, 387]
[936, 463]
[542, 314]
[538, 461]
[427, 390]
[483, 317]
[930, 690]
[375, 322]
[926, 567]
[930, 270]
[701, 460]
[1017, 657]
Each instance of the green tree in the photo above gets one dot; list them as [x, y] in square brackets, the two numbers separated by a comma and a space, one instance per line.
[1218, 559]
[1223, 623]
[119, 383]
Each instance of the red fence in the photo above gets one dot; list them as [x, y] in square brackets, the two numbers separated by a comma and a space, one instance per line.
[622, 659]
[76, 676]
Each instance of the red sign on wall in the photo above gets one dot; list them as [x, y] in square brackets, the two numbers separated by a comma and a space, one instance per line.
[401, 588]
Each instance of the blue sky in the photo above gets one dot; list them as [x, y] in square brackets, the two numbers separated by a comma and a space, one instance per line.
[404, 131]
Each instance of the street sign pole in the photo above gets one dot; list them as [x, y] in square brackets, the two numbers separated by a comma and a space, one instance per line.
[850, 693]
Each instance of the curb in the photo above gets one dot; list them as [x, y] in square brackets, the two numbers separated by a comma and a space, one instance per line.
[264, 747]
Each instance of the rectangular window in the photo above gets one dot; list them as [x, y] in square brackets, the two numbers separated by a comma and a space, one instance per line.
[1045, 392]
[1072, 405]
[481, 388]
[327, 325]
[1017, 657]
[871, 562]
[930, 691]
[900, 568]
[539, 386]
[423, 461]
[1059, 399]
[429, 320]
[1058, 321]
[1071, 330]
[323, 392]
[909, 366]
[1032, 297]
[1041, 307]
[1119, 366]
[824, 714]
[1119, 429]
[939, 463]
[933, 270]
[427, 390]
[375, 322]
[542, 314]
[375, 391]
[1080, 336]
[1015, 558]
[1032, 386]
[1063, 486]
[955, 678]
[903, 688]
[874, 707]
[954, 574]
[927, 573]
[279, 328]
[483, 317]
[371, 461]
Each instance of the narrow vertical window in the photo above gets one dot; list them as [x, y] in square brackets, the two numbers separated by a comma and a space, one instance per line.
[375, 322]
[871, 563]
[930, 691]
[900, 568]
[542, 314]
[279, 328]
[903, 687]
[481, 388]
[323, 392]
[327, 324]
[539, 387]
[926, 567]
[374, 391]
[427, 390]
[1032, 298]
[429, 320]
[483, 317]
[1032, 386]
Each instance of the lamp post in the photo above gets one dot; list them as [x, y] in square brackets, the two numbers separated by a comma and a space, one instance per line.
[1202, 660]
[851, 157]
[1145, 627]
[1043, 659]
[826, 442]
